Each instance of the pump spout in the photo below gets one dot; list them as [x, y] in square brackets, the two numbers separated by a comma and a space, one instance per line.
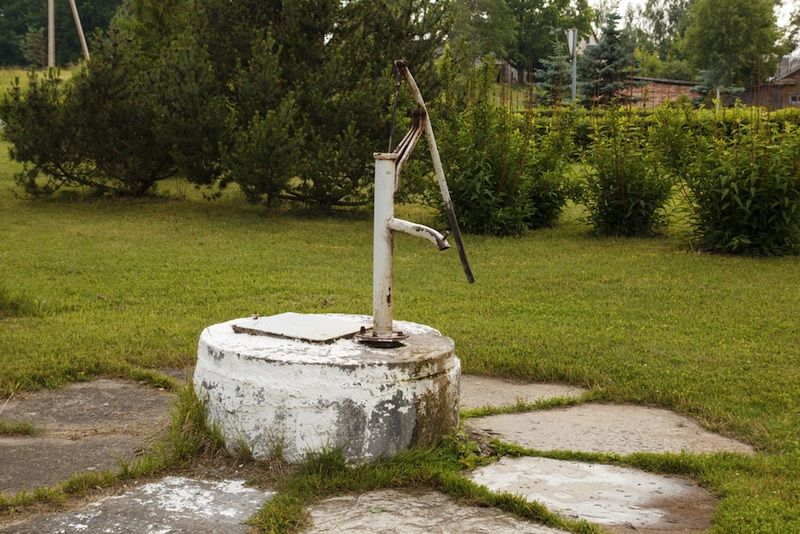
[419, 230]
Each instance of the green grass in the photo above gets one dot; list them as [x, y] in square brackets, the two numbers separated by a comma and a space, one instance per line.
[124, 287]
[17, 428]
[326, 474]
[7, 77]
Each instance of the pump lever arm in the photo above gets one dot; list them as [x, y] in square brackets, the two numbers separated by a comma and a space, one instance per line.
[402, 67]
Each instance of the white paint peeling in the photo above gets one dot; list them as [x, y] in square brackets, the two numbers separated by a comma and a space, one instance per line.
[603, 494]
[269, 391]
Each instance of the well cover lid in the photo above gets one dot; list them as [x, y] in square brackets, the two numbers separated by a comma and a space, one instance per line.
[311, 328]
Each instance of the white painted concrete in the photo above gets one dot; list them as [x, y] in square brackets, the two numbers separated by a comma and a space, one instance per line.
[170, 505]
[283, 395]
[604, 494]
[304, 327]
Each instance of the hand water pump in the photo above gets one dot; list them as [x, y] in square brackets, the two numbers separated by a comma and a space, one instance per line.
[387, 181]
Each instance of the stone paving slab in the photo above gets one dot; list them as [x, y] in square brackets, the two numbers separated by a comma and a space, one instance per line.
[172, 505]
[86, 427]
[621, 429]
[626, 500]
[412, 512]
[479, 391]
[28, 463]
[102, 403]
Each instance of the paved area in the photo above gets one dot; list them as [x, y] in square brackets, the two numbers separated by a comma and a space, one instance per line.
[91, 426]
[621, 429]
[172, 505]
[628, 500]
[412, 512]
[86, 427]
[480, 391]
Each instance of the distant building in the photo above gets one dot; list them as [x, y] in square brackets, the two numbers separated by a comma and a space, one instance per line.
[782, 90]
[652, 92]
[505, 72]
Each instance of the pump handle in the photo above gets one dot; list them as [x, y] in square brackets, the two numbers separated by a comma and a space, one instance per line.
[402, 67]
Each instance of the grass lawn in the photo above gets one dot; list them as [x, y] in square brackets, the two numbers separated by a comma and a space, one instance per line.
[91, 286]
[7, 76]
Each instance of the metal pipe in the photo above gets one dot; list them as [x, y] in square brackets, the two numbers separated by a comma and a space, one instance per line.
[77, 18]
[419, 230]
[438, 169]
[51, 34]
[383, 244]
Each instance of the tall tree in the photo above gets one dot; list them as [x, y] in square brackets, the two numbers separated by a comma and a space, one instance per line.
[554, 78]
[607, 68]
[732, 41]
[21, 17]
[664, 23]
[480, 28]
[542, 23]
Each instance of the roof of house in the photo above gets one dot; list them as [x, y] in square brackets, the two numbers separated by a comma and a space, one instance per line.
[788, 66]
[664, 81]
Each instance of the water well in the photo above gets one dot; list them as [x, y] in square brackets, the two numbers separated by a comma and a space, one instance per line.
[294, 383]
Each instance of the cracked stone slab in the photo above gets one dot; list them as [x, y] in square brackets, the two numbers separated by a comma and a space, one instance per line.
[172, 505]
[622, 499]
[413, 512]
[103, 403]
[479, 391]
[28, 463]
[87, 426]
[612, 428]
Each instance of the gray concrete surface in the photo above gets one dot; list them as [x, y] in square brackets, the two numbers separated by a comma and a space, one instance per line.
[412, 512]
[86, 427]
[172, 505]
[622, 429]
[479, 391]
[623, 499]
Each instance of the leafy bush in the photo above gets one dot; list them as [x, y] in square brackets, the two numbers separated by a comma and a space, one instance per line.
[746, 190]
[549, 156]
[627, 187]
[485, 160]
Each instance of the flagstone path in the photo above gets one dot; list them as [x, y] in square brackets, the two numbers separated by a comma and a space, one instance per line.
[91, 426]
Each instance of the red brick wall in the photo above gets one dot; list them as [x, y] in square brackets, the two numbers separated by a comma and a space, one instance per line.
[653, 94]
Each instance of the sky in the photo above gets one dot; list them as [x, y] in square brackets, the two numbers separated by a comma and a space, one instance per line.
[783, 13]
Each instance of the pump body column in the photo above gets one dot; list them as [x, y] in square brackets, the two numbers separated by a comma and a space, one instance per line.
[385, 173]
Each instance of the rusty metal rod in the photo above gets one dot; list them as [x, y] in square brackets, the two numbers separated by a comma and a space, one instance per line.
[402, 67]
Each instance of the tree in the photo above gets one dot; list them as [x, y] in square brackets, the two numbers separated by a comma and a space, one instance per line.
[664, 23]
[791, 39]
[555, 77]
[732, 41]
[607, 67]
[18, 16]
[480, 28]
[542, 23]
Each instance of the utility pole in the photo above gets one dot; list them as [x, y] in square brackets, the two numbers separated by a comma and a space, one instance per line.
[572, 42]
[79, 27]
[51, 33]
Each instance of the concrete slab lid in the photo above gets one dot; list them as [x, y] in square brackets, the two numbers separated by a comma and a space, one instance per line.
[314, 328]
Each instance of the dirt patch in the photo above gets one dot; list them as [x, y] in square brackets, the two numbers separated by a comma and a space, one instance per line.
[86, 427]
[621, 429]
[480, 391]
[622, 499]
[412, 512]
